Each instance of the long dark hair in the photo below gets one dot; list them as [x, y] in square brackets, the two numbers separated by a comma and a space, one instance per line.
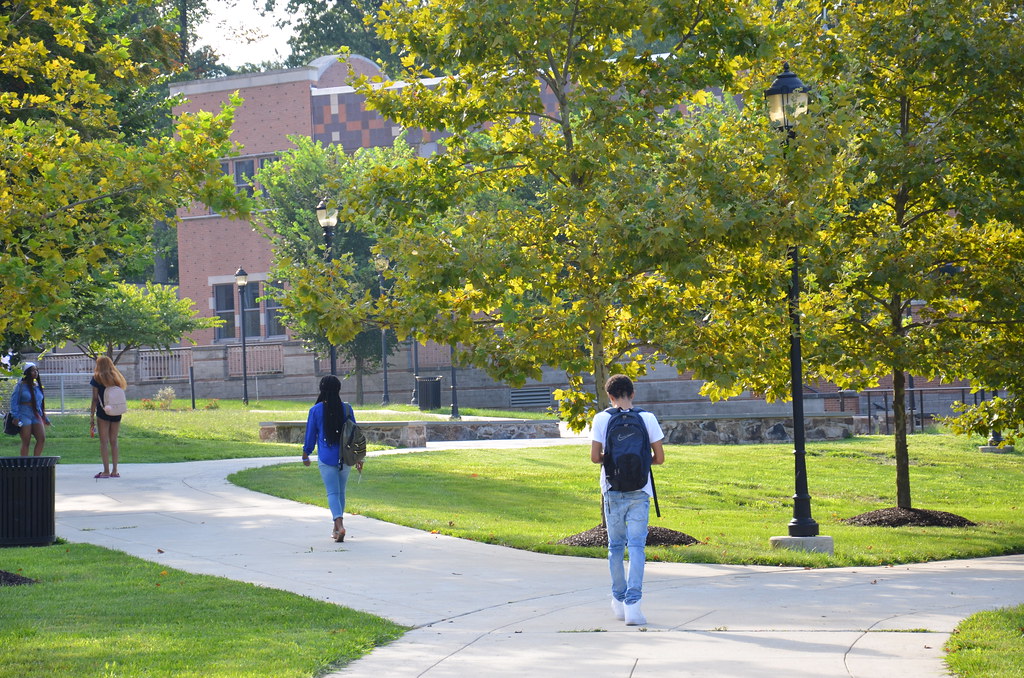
[334, 410]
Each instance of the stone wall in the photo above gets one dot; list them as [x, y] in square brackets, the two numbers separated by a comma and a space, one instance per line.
[417, 433]
[732, 431]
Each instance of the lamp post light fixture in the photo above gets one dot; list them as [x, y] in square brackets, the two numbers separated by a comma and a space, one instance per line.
[242, 279]
[328, 218]
[380, 262]
[787, 99]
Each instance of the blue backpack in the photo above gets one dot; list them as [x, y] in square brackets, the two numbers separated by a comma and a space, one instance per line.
[627, 450]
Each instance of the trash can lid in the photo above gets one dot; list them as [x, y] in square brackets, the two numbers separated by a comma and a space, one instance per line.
[28, 462]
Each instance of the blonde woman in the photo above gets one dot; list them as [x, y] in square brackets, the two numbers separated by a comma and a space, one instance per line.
[104, 376]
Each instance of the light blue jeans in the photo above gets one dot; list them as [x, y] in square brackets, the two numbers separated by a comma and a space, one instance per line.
[335, 479]
[625, 515]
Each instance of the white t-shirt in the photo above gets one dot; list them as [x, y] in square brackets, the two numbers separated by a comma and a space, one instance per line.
[599, 429]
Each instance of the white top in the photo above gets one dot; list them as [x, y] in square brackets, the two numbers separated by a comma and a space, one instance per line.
[599, 429]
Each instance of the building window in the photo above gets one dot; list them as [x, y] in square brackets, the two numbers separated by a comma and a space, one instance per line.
[224, 308]
[244, 169]
[275, 328]
[250, 293]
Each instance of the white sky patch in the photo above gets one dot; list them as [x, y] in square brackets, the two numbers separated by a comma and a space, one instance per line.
[240, 34]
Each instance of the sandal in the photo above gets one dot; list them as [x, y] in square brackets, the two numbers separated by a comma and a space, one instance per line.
[115, 474]
[102, 474]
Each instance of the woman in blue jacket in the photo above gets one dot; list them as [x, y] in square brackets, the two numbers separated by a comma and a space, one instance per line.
[323, 431]
[29, 409]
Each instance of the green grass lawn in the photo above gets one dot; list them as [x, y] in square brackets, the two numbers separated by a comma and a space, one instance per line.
[989, 645]
[103, 613]
[230, 431]
[96, 612]
[731, 498]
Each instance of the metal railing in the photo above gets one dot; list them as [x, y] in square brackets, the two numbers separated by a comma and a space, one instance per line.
[922, 404]
[160, 365]
[259, 359]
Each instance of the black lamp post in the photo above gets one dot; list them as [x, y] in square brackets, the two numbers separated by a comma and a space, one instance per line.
[242, 279]
[455, 389]
[415, 371]
[381, 263]
[787, 100]
[328, 217]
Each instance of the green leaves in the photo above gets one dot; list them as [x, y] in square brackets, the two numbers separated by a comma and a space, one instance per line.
[77, 194]
[112, 320]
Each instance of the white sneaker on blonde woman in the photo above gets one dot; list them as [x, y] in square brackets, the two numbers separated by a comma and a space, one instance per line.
[634, 617]
[618, 609]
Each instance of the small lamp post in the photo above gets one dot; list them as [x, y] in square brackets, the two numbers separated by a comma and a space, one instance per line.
[455, 389]
[787, 100]
[415, 370]
[242, 279]
[381, 264]
[328, 217]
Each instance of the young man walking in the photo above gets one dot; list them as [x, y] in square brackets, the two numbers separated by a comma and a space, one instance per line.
[625, 509]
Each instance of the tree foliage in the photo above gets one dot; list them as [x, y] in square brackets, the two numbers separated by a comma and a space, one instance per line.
[326, 297]
[326, 26]
[75, 191]
[574, 205]
[113, 320]
[915, 274]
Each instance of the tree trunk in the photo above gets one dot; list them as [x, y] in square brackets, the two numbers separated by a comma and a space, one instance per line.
[600, 368]
[899, 416]
[359, 380]
[161, 269]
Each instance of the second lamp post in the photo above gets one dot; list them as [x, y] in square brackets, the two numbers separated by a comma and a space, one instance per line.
[328, 218]
[242, 279]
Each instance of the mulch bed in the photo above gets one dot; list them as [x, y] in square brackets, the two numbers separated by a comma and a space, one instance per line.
[656, 536]
[900, 517]
[11, 579]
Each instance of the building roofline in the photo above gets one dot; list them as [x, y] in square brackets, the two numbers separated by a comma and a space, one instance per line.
[310, 73]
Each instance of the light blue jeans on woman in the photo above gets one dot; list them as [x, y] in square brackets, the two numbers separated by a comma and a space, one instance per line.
[625, 515]
[335, 479]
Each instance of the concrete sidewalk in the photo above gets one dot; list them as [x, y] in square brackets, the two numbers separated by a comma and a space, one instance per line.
[482, 610]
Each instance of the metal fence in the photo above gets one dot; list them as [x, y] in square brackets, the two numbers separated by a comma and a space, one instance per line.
[923, 405]
[160, 365]
[259, 359]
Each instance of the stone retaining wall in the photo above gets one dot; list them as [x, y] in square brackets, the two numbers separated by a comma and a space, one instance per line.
[732, 431]
[417, 433]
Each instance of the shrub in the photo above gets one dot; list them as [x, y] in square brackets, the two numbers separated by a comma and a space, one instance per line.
[148, 404]
[213, 404]
[165, 396]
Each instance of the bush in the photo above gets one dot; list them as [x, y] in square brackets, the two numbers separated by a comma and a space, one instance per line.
[165, 397]
[213, 404]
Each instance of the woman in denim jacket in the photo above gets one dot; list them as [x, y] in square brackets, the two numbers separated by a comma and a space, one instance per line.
[28, 405]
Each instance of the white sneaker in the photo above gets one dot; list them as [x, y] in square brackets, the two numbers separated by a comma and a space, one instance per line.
[634, 617]
[618, 609]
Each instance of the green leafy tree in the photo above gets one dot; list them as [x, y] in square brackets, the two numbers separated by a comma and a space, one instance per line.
[325, 301]
[326, 26]
[558, 227]
[113, 320]
[75, 193]
[913, 276]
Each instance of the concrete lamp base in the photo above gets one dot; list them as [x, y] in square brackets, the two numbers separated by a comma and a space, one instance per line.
[995, 449]
[812, 544]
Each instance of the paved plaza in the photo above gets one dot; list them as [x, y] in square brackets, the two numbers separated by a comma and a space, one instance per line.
[484, 610]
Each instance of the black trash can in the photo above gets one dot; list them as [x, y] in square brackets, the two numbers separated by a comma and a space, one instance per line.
[428, 392]
[27, 489]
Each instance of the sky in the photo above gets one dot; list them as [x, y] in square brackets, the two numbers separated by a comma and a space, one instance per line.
[237, 32]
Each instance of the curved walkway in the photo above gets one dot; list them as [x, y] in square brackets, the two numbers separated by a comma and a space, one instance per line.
[482, 610]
